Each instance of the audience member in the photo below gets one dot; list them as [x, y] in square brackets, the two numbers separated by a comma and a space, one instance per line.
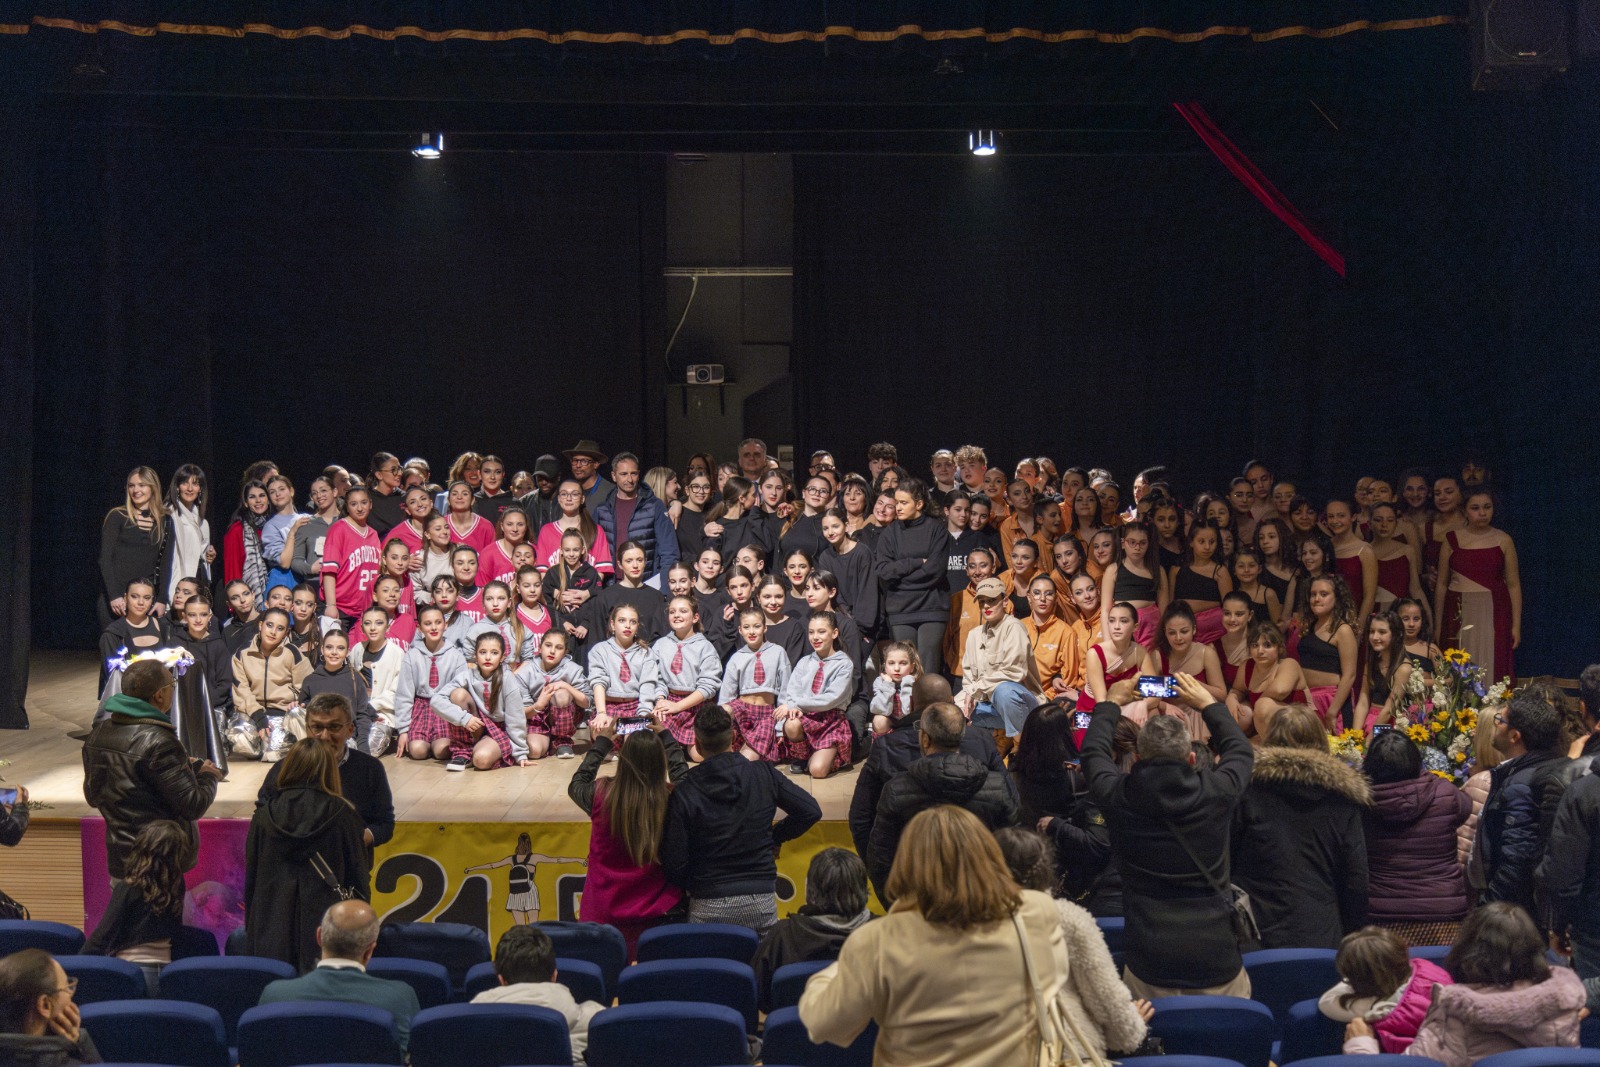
[1485, 758]
[14, 819]
[1416, 885]
[958, 912]
[944, 775]
[1054, 800]
[898, 749]
[1567, 880]
[720, 841]
[136, 771]
[362, 779]
[836, 905]
[1506, 996]
[1169, 837]
[1381, 985]
[1298, 847]
[525, 964]
[1515, 821]
[304, 854]
[38, 1019]
[1094, 996]
[347, 936]
[626, 885]
[146, 909]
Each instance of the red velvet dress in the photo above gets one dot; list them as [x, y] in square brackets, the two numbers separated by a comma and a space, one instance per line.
[1394, 576]
[1489, 640]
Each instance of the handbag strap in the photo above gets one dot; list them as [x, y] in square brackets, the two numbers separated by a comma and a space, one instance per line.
[323, 871]
[1072, 1042]
[1205, 872]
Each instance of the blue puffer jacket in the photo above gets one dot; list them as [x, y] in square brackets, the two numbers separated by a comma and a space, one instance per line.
[650, 526]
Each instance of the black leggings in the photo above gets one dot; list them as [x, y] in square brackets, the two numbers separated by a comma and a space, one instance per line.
[928, 637]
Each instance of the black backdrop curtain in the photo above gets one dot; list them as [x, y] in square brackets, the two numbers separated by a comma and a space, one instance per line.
[1125, 311]
[223, 306]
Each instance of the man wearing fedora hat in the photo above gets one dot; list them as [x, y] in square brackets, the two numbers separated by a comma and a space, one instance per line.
[585, 459]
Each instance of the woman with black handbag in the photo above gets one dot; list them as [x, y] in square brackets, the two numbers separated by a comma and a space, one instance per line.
[304, 854]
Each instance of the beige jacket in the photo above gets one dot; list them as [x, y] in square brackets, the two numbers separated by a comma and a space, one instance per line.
[941, 997]
[260, 683]
[1476, 787]
[1001, 653]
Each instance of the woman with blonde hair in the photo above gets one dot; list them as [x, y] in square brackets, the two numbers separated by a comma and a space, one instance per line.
[131, 543]
[957, 911]
[1485, 758]
[305, 852]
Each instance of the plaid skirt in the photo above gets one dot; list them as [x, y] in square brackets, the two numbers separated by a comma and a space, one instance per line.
[680, 724]
[426, 725]
[827, 729]
[462, 742]
[558, 723]
[755, 728]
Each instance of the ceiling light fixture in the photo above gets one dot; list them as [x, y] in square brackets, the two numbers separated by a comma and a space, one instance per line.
[430, 146]
[981, 142]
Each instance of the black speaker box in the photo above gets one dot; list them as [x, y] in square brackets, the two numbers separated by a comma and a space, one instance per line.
[1517, 44]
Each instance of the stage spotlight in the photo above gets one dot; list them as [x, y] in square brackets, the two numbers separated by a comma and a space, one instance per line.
[981, 142]
[430, 146]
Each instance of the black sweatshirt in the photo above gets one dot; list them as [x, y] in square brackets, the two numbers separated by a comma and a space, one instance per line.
[910, 560]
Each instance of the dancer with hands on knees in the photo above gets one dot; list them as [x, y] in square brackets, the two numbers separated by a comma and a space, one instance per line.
[754, 676]
[483, 709]
[623, 675]
[560, 693]
[691, 672]
[812, 710]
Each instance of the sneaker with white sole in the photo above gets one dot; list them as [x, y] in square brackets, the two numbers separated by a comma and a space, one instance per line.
[563, 752]
[458, 763]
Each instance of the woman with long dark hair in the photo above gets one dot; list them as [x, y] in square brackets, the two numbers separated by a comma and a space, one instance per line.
[242, 557]
[626, 885]
[186, 549]
[146, 909]
[1479, 590]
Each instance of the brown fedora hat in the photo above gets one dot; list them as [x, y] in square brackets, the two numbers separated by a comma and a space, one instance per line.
[587, 448]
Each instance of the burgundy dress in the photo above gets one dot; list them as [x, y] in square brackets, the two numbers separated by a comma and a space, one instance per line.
[1489, 614]
[1394, 576]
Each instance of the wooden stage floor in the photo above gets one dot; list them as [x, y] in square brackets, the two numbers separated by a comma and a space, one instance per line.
[61, 701]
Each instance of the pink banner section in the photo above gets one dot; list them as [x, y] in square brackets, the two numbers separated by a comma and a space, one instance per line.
[215, 901]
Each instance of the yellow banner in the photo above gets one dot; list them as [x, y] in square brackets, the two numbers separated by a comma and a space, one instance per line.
[470, 872]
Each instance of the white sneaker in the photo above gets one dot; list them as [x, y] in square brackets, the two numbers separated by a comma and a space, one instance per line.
[458, 763]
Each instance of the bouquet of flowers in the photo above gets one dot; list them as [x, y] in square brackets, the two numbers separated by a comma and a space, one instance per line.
[176, 660]
[1349, 747]
[1443, 716]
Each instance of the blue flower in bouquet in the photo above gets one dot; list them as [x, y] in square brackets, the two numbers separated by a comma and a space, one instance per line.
[1434, 760]
[1477, 687]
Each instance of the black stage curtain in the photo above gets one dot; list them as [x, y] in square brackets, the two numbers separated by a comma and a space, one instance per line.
[1125, 311]
[223, 306]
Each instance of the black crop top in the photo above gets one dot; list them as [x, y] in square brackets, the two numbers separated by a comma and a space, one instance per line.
[1130, 586]
[1191, 586]
[1315, 654]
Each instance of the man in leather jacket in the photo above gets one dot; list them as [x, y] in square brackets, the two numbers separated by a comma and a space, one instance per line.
[135, 769]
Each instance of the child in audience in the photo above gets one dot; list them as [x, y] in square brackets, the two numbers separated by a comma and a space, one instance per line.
[484, 709]
[691, 670]
[812, 709]
[525, 966]
[1379, 983]
[378, 656]
[751, 682]
[836, 904]
[623, 675]
[334, 674]
[561, 693]
[891, 690]
[430, 662]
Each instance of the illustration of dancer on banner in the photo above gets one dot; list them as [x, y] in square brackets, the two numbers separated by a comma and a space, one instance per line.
[522, 899]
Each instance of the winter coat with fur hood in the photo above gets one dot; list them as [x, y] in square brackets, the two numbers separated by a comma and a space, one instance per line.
[1299, 849]
[1468, 1022]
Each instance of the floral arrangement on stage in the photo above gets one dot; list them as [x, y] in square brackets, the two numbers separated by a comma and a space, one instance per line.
[1349, 747]
[1443, 717]
[176, 660]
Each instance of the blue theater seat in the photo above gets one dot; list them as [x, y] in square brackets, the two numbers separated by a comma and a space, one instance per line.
[1227, 1027]
[171, 1032]
[684, 941]
[489, 1035]
[785, 1040]
[667, 1033]
[104, 978]
[230, 984]
[296, 1032]
[58, 939]
[724, 982]
[430, 980]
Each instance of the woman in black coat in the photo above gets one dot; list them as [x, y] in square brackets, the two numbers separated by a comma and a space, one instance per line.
[910, 558]
[1054, 800]
[307, 822]
[1298, 845]
[130, 545]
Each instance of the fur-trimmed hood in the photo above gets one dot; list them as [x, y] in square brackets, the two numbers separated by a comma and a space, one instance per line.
[1309, 773]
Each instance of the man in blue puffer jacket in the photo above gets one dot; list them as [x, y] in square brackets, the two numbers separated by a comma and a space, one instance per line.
[634, 513]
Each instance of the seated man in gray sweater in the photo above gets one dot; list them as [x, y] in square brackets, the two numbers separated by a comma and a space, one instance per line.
[525, 963]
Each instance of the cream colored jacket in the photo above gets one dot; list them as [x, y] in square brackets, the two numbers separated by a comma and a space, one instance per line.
[1001, 653]
[941, 997]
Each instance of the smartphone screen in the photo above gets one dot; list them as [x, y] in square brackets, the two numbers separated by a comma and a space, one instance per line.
[1080, 720]
[8, 796]
[1382, 728]
[1158, 685]
[632, 724]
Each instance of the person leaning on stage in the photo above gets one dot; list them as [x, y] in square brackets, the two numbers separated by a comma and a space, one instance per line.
[135, 770]
[897, 750]
[347, 936]
[361, 777]
[720, 841]
[38, 1019]
[1180, 925]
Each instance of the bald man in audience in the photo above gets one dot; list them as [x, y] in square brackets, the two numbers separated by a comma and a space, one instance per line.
[896, 751]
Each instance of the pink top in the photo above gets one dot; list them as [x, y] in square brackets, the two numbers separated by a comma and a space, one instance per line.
[352, 557]
[479, 534]
[412, 538]
[547, 549]
[616, 890]
[495, 566]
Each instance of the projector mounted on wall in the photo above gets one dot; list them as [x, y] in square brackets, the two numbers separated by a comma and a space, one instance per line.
[706, 374]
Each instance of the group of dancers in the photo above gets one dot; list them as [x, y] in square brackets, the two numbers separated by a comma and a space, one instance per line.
[481, 628]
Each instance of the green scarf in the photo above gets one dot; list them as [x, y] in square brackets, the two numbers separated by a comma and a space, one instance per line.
[134, 708]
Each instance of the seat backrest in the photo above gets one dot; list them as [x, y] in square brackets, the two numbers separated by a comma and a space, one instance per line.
[1282, 977]
[599, 943]
[58, 939]
[292, 1033]
[785, 1041]
[430, 980]
[1115, 930]
[1383, 1060]
[684, 941]
[1434, 953]
[709, 981]
[1228, 1027]
[789, 982]
[497, 1035]
[193, 941]
[457, 947]
[667, 1033]
[104, 978]
[157, 1031]
[1543, 1057]
[231, 985]
[1307, 1033]
[237, 943]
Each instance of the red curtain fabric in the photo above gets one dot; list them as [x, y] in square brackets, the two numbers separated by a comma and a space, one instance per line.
[1247, 172]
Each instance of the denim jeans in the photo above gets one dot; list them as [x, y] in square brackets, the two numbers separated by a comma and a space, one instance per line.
[1006, 709]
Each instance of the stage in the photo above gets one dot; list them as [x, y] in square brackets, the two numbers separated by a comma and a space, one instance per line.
[46, 871]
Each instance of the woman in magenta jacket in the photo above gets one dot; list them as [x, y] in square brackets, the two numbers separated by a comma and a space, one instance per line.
[1415, 879]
